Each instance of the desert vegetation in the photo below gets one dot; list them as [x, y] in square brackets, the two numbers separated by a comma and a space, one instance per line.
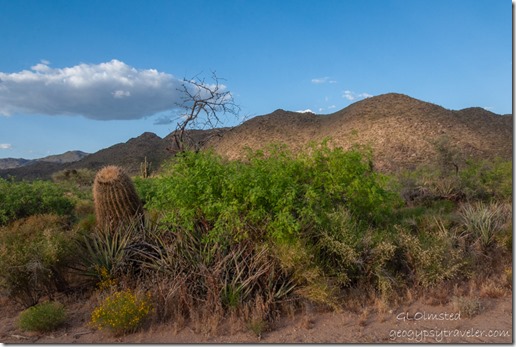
[249, 240]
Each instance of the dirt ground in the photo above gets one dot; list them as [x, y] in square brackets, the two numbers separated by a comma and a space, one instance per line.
[413, 323]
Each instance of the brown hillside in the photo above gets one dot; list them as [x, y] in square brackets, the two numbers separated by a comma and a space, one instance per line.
[128, 155]
[401, 131]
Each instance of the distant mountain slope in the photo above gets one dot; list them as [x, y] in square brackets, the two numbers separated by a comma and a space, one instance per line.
[11, 163]
[401, 131]
[132, 153]
[67, 157]
[128, 155]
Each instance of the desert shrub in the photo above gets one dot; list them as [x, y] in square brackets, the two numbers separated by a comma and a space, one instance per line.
[287, 201]
[432, 253]
[481, 180]
[33, 255]
[275, 192]
[468, 307]
[427, 184]
[43, 317]
[79, 177]
[487, 180]
[484, 222]
[121, 312]
[193, 278]
[23, 199]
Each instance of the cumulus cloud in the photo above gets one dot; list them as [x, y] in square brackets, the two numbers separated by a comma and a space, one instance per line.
[321, 80]
[348, 94]
[106, 91]
[305, 111]
[5, 146]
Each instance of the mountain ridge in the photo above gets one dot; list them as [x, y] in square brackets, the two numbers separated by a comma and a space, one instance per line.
[401, 131]
[66, 157]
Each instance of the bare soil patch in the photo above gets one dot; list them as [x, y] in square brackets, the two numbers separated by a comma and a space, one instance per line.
[422, 321]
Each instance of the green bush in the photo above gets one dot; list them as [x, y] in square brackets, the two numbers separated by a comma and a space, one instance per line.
[319, 203]
[23, 199]
[33, 254]
[487, 180]
[43, 317]
[273, 193]
[121, 312]
[80, 177]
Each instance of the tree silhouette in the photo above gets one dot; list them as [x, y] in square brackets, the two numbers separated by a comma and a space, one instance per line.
[204, 106]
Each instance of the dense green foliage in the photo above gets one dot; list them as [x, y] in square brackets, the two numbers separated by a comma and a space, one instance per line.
[487, 180]
[43, 317]
[274, 192]
[23, 199]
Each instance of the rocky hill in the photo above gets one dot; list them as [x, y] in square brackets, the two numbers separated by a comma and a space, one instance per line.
[67, 157]
[11, 163]
[128, 155]
[401, 130]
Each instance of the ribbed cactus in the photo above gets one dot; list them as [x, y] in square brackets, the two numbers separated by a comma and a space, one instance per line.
[116, 201]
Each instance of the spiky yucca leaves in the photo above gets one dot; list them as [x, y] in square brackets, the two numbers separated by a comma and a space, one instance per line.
[113, 253]
[485, 221]
[116, 200]
[195, 279]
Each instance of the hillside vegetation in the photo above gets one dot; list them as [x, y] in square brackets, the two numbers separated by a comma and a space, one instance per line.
[400, 130]
[252, 239]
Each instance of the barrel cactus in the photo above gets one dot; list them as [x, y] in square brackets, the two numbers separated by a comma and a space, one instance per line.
[116, 200]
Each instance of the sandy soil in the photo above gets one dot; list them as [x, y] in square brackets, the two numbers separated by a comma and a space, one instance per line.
[417, 322]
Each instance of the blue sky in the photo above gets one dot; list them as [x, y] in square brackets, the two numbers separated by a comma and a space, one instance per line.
[84, 75]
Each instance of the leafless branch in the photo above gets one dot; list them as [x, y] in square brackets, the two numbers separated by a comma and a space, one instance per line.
[203, 107]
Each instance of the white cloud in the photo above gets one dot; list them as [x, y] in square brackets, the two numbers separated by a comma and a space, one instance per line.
[332, 107]
[305, 111]
[106, 91]
[5, 146]
[348, 94]
[321, 80]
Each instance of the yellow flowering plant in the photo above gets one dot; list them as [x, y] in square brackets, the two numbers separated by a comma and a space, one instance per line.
[121, 312]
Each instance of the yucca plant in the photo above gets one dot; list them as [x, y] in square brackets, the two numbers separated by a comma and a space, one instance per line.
[113, 250]
[195, 276]
[483, 221]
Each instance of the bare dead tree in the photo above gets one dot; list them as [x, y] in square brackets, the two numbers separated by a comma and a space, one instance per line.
[204, 106]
